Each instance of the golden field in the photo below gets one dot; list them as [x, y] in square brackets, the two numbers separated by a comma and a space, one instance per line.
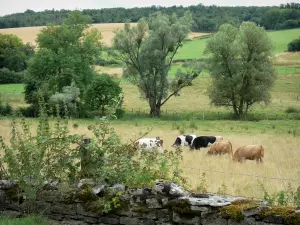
[29, 34]
[282, 153]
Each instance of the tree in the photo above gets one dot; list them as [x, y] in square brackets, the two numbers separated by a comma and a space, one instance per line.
[148, 50]
[13, 53]
[65, 54]
[294, 46]
[101, 92]
[240, 66]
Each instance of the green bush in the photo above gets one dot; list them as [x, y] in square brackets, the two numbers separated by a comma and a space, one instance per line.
[291, 109]
[294, 46]
[5, 109]
[11, 77]
[101, 92]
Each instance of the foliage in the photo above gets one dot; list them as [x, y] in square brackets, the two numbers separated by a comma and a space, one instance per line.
[32, 220]
[65, 54]
[13, 53]
[55, 154]
[11, 77]
[100, 93]
[294, 46]
[147, 51]
[292, 109]
[5, 108]
[240, 66]
[206, 18]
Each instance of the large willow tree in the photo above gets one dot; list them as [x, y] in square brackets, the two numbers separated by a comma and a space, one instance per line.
[240, 66]
[148, 50]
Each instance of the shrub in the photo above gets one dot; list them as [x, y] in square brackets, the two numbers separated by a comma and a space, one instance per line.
[101, 92]
[291, 109]
[5, 109]
[11, 77]
[294, 46]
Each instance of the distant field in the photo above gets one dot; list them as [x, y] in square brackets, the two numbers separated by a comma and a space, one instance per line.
[29, 34]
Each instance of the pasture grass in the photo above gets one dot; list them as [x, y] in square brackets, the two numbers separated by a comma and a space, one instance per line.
[30, 220]
[282, 151]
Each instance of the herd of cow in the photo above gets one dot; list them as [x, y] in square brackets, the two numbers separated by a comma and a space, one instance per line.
[216, 143]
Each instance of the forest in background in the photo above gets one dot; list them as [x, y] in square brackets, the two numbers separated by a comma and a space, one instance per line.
[206, 18]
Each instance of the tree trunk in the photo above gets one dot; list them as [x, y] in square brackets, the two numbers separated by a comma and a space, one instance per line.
[155, 111]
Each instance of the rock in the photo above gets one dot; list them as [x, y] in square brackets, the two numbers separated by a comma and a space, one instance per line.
[80, 210]
[297, 211]
[147, 222]
[109, 220]
[2, 199]
[6, 184]
[90, 219]
[246, 221]
[118, 187]
[212, 200]
[277, 219]
[56, 216]
[153, 203]
[199, 209]
[136, 192]
[165, 201]
[163, 215]
[129, 221]
[213, 221]
[147, 215]
[162, 223]
[251, 212]
[98, 189]
[85, 181]
[186, 219]
[50, 196]
[73, 222]
[38, 207]
[10, 214]
[176, 190]
[51, 185]
[63, 209]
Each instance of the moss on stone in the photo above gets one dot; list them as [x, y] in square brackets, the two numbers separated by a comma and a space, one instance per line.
[140, 209]
[287, 213]
[233, 212]
[182, 207]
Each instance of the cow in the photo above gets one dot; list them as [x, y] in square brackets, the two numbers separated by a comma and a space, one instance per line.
[150, 144]
[203, 141]
[219, 148]
[184, 140]
[250, 152]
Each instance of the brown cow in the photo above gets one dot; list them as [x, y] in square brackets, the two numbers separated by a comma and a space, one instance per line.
[219, 148]
[251, 152]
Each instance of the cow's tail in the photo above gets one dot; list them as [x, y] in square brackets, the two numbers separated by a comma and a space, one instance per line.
[231, 150]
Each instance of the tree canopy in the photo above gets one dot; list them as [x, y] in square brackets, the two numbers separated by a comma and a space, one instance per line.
[240, 66]
[206, 18]
[147, 51]
[66, 54]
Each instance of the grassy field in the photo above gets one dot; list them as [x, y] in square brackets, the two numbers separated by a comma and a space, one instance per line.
[31, 220]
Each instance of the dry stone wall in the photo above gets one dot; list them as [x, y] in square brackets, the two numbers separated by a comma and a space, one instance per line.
[164, 204]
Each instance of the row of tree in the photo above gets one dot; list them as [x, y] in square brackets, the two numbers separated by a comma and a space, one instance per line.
[206, 18]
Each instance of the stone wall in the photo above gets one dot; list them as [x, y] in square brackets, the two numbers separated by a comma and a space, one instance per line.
[164, 204]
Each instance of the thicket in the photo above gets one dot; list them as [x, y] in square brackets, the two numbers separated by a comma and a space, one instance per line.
[11, 77]
[206, 18]
[55, 154]
[294, 46]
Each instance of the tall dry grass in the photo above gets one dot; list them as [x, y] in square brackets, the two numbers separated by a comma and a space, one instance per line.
[282, 154]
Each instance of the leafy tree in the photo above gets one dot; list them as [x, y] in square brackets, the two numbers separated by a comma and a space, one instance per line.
[147, 51]
[13, 53]
[240, 66]
[65, 54]
[294, 46]
[101, 92]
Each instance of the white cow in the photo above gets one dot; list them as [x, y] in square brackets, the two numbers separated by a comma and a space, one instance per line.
[151, 144]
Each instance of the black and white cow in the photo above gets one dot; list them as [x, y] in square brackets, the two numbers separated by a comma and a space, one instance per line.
[184, 140]
[150, 144]
[204, 141]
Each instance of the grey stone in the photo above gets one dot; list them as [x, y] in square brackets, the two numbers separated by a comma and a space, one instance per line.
[109, 220]
[162, 223]
[147, 222]
[199, 209]
[123, 212]
[163, 214]
[165, 201]
[211, 200]
[51, 196]
[117, 187]
[37, 207]
[55, 216]
[136, 192]
[10, 213]
[90, 219]
[177, 190]
[149, 215]
[297, 211]
[251, 212]
[262, 223]
[153, 203]
[277, 219]
[246, 221]
[213, 221]
[82, 182]
[185, 219]
[81, 211]
[98, 189]
[63, 209]
[6, 184]
[73, 222]
[129, 221]
[51, 185]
